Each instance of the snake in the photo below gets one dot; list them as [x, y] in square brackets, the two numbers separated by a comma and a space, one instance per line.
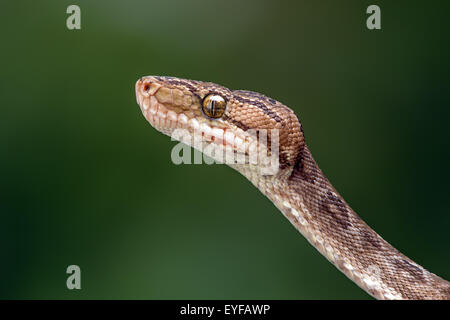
[212, 114]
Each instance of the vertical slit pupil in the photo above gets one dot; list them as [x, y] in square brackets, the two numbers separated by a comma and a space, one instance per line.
[213, 108]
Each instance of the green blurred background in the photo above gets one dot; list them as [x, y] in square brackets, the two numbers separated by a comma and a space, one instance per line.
[85, 180]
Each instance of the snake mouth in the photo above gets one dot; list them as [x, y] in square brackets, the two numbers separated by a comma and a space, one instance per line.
[168, 109]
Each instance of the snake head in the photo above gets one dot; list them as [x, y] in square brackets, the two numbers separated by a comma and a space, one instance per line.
[212, 114]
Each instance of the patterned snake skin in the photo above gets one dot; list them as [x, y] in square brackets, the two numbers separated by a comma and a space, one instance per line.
[299, 189]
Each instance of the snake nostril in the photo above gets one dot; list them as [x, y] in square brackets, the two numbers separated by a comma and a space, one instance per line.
[146, 87]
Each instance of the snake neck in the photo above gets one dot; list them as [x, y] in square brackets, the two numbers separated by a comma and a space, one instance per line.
[307, 199]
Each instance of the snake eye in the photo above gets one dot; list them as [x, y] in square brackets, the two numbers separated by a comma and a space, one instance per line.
[214, 106]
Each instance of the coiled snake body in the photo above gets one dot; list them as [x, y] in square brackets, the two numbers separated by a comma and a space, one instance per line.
[298, 188]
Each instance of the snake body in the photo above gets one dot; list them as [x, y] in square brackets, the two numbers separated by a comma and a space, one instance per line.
[298, 189]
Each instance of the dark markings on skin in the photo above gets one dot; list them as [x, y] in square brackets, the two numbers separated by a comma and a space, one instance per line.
[413, 270]
[256, 95]
[180, 82]
[283, 158]
[177, 82]
[371, 238]
[260, 105]
[237, 123]
[174, 80]
[304, 168]
[336, 208]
